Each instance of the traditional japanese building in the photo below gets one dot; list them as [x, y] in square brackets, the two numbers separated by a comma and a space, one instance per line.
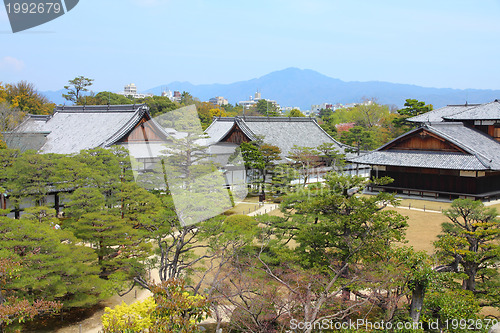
[283, 132]
[74, 128]
[71, 129]
[227, 133]
[455, 153]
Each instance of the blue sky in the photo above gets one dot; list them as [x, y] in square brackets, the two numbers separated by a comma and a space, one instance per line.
[439, 43]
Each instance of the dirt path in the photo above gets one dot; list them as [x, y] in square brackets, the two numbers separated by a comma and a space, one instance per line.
[93, 323]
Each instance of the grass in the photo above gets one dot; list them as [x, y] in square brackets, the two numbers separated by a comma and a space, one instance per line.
[423, 228]
[248, 205]
[243, 208]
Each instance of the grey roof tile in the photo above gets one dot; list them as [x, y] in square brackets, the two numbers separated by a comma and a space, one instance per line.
[488, 111]
[439, 114]
[284, 132]
[422, 159]
[73, 128]
[483, 152]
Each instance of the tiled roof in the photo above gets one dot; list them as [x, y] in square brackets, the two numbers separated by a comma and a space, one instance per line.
[284, 132]
[439, 114]
[488, 111]
[482, 152]
[73, 128]
[98, 108]
[422, 159]
[218, 129]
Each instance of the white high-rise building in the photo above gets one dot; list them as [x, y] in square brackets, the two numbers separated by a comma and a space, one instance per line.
[131, 90]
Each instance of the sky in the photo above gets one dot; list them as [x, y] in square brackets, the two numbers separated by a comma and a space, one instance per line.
[438, 43]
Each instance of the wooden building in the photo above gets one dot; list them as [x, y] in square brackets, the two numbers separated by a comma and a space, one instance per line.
[283, 132]
[227, 133]
[71, 129]
[455, 153]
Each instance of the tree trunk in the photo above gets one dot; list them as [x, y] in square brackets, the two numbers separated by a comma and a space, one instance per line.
[470, 282]
[417, 301]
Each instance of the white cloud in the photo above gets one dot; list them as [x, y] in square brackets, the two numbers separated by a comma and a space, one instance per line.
[11, 64]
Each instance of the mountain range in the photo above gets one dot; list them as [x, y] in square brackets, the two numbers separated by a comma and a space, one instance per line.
[304, 87]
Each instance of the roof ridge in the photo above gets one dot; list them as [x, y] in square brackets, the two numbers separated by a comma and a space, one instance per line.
[99, 108]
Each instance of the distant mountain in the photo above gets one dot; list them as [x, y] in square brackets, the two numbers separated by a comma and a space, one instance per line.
[304, 87]
[56, 96]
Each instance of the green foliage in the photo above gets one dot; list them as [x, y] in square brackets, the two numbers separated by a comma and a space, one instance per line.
[331, 156]
[119, 246]
[360, 138]
[55, 265]
[177, 310]
[76, 87]
[158, 105]
[283, 174]
[29, 176]
[106, 97]
[295, 113]
[340, 241]
[325, 113]
[453, 309]
[375, 119]
[267, 108]
[469, 243]
[304, 159]
[187, 99]
[236, 226]
[259, 157]
[13, 308]
[332, 223]
[83, 201]
[252, 156]
[116, 243]
[329, 127]
[102, 210]
[368, 114]
[412, 108]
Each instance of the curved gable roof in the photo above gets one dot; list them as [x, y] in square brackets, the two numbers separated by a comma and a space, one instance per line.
[284, 132]
[74, 128]
[481, 151]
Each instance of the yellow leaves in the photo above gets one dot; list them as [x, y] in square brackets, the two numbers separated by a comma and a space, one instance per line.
[135, 317]
[3, 145]
[25, 97]
[217, 113]
[3, 93]
[166, 312]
